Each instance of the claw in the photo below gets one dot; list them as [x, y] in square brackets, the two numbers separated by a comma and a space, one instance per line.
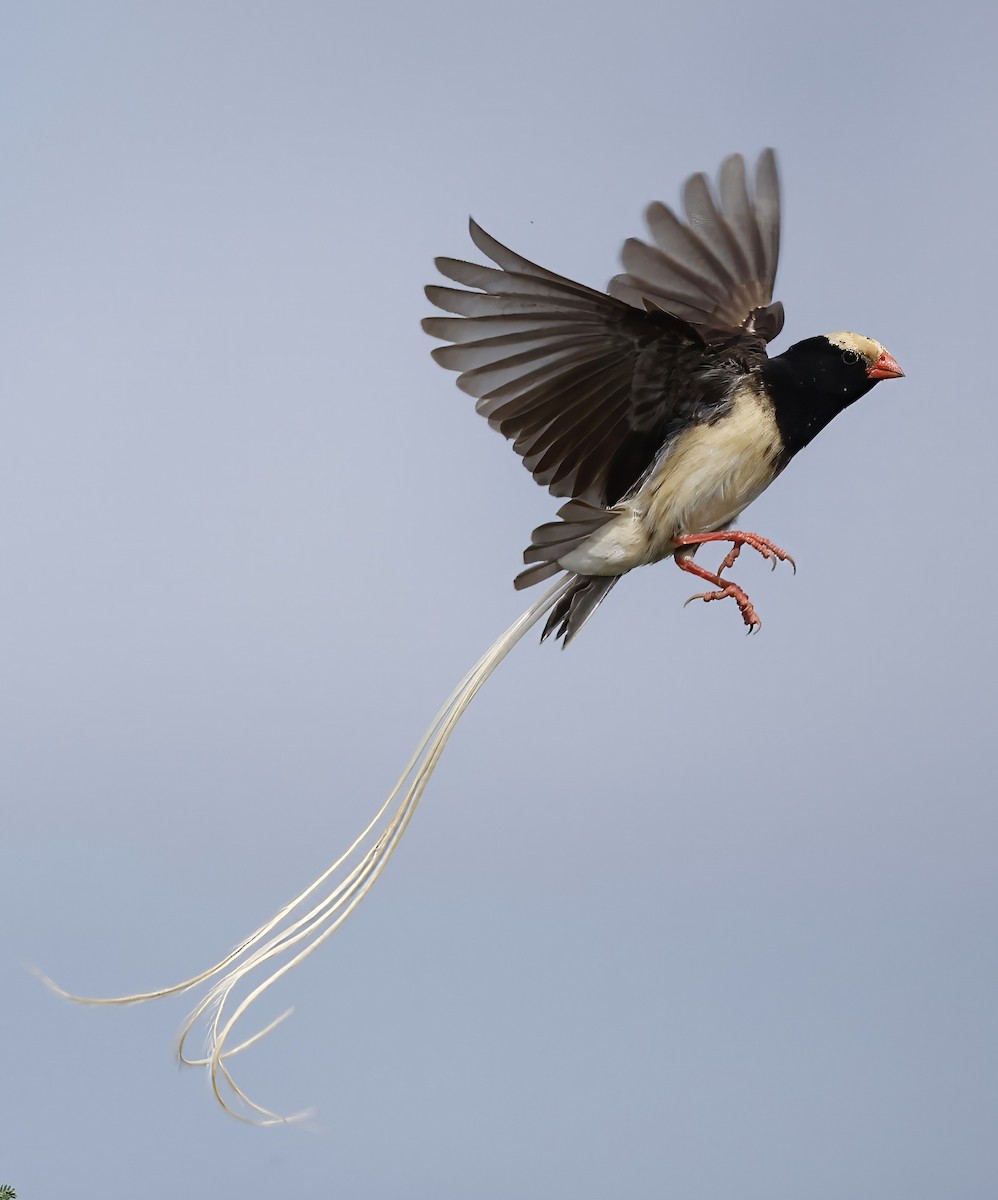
[706, 597]
[749, 615]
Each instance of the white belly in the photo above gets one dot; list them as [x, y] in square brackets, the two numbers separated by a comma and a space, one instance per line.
[708, 476]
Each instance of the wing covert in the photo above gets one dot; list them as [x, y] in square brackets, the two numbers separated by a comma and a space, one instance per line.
[552, 366]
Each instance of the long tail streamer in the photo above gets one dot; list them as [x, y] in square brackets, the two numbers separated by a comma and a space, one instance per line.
[292, 934]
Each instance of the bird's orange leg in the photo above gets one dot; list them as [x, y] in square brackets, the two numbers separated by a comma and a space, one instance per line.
[769, 550]
[725, 588]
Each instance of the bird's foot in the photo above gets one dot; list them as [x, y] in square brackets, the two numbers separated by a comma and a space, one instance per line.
[740, 597]
[769, 550]
[725, 588]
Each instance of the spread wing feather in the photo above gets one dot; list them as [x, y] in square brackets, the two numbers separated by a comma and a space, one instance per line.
[588, 385]
[716, 269]
[551, 363]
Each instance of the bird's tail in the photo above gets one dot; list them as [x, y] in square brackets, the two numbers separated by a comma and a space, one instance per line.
[576, 605]
[317, 912]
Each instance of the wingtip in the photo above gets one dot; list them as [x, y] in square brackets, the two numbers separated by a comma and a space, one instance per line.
[735, 160]
[767, 170]
[484, 242]
[436, 296]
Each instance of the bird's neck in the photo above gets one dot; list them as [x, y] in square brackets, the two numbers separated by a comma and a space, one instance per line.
[805, 401]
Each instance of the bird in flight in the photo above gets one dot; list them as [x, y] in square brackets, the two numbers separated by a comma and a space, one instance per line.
[654, 409]
[655, 412]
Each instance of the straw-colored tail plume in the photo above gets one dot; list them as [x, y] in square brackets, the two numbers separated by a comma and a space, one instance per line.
[291, 936]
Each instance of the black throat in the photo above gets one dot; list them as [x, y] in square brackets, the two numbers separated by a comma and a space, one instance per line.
[810, 384]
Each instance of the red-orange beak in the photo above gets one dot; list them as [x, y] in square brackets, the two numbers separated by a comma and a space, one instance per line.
[884, 368]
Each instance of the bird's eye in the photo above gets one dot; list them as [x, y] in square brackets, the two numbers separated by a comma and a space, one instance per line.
[850, 357]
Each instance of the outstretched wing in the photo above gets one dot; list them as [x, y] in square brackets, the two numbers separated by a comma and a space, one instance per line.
[583, 384]
[716, 270]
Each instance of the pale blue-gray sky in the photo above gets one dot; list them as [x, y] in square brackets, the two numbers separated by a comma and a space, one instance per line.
[684, 913]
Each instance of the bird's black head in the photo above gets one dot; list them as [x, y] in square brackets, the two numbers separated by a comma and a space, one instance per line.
[816, 379]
